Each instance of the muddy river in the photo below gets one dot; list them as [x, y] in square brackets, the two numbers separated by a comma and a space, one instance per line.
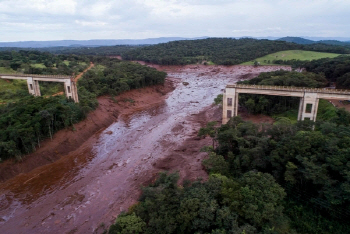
[88, 188]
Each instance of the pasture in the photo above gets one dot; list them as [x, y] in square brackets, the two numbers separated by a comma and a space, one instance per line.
[290, 55]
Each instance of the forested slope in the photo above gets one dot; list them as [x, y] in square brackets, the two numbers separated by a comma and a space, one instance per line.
[280, 178]
[24, 123]
[224, 51]
[35, 62]
[335, 69]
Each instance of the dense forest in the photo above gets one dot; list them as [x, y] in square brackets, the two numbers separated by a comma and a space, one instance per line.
[336, 70]
[280, 178]
[35, 62]
[222, 51]
[118, 77]
[80, 50]
[24, 123]
[100, 50]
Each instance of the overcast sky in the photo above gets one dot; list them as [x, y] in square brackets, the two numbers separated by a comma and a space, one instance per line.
[24, 20]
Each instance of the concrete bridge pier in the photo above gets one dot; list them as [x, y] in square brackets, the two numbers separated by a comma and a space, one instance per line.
[37, 88]
[30, 84]
[33, 86]
[308, 106]
[70, 89]
[75, 92]
[230, 101]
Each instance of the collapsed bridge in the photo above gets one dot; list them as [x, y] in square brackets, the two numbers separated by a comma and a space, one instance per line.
[309, 98]
[70, 86]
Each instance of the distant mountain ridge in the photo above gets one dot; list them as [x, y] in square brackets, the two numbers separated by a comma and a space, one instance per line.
[93, 43]
[303, 41]
[152, 41]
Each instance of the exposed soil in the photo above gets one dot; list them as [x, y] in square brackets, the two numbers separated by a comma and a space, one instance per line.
[72, 138]
[103, 171]
[82, 73]
[340, 104]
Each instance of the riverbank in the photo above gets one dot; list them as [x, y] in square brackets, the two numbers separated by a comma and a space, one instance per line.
[70, 139]
[90, 186]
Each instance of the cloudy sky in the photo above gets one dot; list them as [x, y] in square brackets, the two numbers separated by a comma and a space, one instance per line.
[23, 20]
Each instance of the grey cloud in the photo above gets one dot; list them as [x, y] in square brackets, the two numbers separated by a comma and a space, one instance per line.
[107, 19]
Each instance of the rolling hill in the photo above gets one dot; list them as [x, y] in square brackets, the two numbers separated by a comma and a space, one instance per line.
[290, 55]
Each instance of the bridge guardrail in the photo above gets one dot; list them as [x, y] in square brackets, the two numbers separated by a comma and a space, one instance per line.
[38, 75]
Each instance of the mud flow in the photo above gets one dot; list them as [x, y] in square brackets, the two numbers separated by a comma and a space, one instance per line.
[86, 189]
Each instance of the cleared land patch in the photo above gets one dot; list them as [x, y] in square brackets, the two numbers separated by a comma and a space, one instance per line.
[38, 65]
[290, 55]
[6, 70]
[10, 90]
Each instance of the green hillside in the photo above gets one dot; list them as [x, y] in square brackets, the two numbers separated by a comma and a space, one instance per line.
[297, 40]
[6, 70]
[290, 55]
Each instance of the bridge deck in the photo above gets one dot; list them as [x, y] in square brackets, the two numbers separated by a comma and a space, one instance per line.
[290, 89]
[19, 75]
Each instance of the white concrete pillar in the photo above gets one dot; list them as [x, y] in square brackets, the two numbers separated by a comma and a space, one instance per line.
[230, 104]
[309, 107]
[30, 84]
[301, 108]
[75, 92]
[315, 109]
[235, 107]
[36, 88]
[68, 88]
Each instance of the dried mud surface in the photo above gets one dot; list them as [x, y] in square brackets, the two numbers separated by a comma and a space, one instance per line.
[98, 174]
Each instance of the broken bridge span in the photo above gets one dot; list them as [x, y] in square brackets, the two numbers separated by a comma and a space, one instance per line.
[70, 86]
[309, 98]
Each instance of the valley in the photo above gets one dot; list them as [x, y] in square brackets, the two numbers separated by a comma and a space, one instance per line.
[100, 176]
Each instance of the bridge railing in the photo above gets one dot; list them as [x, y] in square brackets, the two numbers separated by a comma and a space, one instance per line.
[290, 88]
[37, 75]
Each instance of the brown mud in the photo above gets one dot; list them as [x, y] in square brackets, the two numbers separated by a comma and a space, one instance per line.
[340, 103]
[72, 138]
[98, 174]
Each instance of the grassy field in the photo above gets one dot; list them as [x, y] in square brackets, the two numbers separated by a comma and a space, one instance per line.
[38, 65]
[291, 54]
[9, 90]
[6, 70]
[98, 68]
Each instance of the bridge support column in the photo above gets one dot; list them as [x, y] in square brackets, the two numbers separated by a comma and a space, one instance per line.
[301, 108]
[308, 107]
[37, 88]
[75, 92]
[70, 89]
[33, 86]
[230, 104]
[30, 84]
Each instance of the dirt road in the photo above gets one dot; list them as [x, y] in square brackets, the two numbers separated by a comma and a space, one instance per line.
[82, 73]
[86, 189]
